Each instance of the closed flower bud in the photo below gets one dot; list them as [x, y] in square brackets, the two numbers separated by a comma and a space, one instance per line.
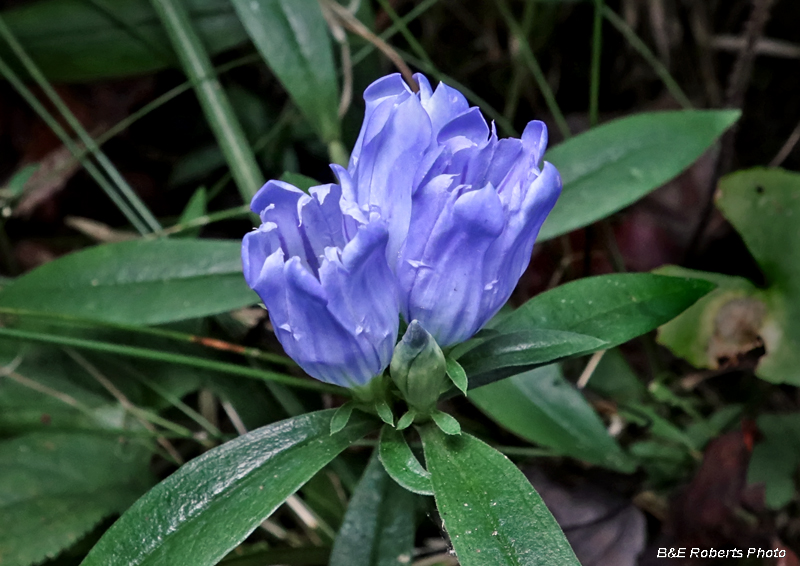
[418, 369]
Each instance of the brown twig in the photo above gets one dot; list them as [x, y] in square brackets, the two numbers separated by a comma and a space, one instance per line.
[348, 20]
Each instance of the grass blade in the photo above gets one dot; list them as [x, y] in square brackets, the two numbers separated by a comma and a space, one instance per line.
[216, 106]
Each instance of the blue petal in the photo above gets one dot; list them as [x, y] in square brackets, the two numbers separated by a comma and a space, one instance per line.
[534, 138]
[253, 256]
[505, 155]
[380, 96]
[471, 125]
[278, 204]
[311, 335]
[362, 297]
[321, 219]
[442, 105]
[428, 204]
[448, 276]
[271, 287]
[385, 169]
[266, 195]
[511, 252]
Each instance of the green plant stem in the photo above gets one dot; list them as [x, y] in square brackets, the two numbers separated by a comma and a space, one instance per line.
[516, 80]
[639, 45]
[181, 359]
[236, 212]
[286, 116]
[415, 45]
[112, 172]
[533, 66]
[216, 106]
[219, 345]
[597, 48]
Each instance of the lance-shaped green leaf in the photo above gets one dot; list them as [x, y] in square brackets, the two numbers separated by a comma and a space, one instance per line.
[292, 37]
[137, 282]
[614, 308]
[508, 354]
[210, 505]
[379, 526]
[613, 165]
[490, 510]
[542, 407]
[54, 487]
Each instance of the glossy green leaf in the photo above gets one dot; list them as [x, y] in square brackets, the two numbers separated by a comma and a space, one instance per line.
[292, 37]
[614, 308]
[518, 351]
[613, 165]
[206, 508]
[489, 508]
[137, 282]
[55, 487]
[76, 40]
[401, 464]
[379, 526]
[542, 407]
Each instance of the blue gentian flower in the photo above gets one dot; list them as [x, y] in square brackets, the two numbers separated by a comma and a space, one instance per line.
[463, 208]
[323, 276]
[434, 219]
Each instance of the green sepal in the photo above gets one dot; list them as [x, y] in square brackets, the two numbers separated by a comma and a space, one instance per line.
[407, 419]
[384, 412]
[457, 375]
[341, 417]
[446, 423]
